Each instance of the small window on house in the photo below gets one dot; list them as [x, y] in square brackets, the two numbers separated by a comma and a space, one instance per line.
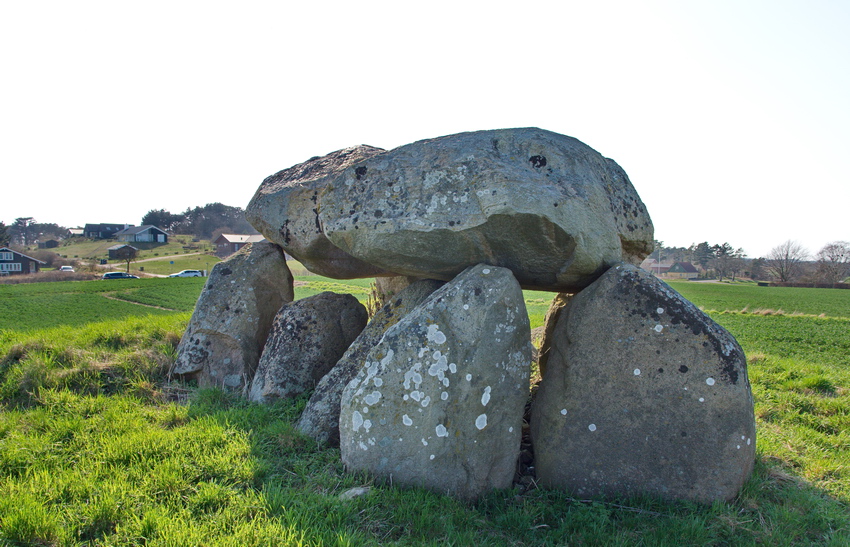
[5, 255]
[13, 267]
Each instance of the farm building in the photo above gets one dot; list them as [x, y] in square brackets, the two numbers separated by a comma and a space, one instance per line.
[121, 252]
[49, 244]
[227, 244]
[682, 270]
[654, 266]
[144, 234]
[13, 262]
[103, 231]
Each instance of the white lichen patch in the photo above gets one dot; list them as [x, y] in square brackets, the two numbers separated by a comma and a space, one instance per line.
[592, 427]
[444, 396]
[658, 328]
[435, 335]
[356, 421]
[441, 430]
[485, 271]
[636, 372]
[485, 397]
[659, 311]
[406, 420]
[453, 368]
[709, 381]
[469, 377]
[481, 421]
[372, 398]
[563, 412]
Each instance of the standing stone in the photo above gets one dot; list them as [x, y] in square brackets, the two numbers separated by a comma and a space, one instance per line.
[439, 401]
[225, 336]
[643, 393]
[306, 340]
[320, 419]
[285, 210]
[546, 206]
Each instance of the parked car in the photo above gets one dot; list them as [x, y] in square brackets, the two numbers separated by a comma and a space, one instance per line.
[187, 273]
[119, 275]
[66, 268]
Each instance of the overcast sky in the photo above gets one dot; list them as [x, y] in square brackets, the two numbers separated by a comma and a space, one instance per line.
[730, 117]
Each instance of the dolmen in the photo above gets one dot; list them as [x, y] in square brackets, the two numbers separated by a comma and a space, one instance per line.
[641, 392]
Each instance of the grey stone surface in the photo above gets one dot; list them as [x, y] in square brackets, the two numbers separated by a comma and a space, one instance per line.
[306, 340]
[285, 210]
[546, 206]
[225, 336]
[439, 401]
[643, 393]
[320, 419]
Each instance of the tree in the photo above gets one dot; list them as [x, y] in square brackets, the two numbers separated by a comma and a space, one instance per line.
[126, 253]
[833, 262]
[727, 260]
[4, 234]
[784, 261]
[702, 253]
[161, 218]
[20, 230]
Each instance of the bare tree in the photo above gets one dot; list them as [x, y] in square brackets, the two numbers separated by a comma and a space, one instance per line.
[783, 261]
[833, 262]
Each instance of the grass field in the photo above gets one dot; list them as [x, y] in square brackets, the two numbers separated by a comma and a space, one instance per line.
[96, 249]
[97, 448]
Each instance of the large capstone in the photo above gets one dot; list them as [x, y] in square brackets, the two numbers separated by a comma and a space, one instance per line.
[643, 394]
[228, 329]
[546, 206]
[307, 338]
[285, 210]
[320, 419]
[439, 401]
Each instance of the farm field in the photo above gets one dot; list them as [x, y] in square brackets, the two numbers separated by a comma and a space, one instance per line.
[97, 249]
[754, 299]
[167, 266]
[97, 447]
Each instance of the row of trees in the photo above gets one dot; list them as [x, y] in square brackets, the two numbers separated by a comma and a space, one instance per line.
[26, 231]
[724, 259]
[204, 222]
[789, 262]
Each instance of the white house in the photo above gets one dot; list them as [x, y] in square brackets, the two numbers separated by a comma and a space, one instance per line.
[142, 234]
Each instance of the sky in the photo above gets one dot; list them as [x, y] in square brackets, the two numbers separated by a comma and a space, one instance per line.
[730, 117]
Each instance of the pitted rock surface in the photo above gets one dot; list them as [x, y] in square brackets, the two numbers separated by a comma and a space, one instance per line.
[546, 206]
[226, 334]
[320, 419]
[306, 340]
[643, 393]
[439, 401]
[285, 210]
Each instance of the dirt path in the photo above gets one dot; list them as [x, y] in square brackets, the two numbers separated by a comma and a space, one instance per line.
[112, 296]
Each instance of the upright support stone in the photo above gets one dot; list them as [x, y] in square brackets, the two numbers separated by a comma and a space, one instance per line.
[320, 419]
[226, 334]
[643, 393]
[306, 340]
[439, 402]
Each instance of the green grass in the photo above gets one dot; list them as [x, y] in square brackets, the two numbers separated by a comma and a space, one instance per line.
[752, 298]
[40, 305]
[88, 249]
[167, 266]
[95, 450]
